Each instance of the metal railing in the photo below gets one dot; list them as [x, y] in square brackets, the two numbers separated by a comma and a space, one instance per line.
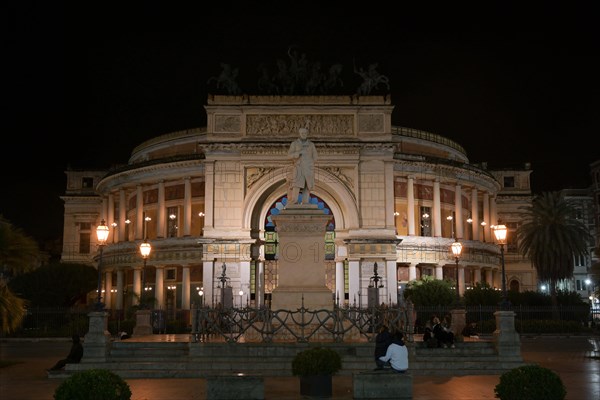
[303, 325]
[338, 324]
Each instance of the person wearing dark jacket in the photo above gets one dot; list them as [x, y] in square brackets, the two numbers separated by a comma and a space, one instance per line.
[74, 356]
[444, 336]
[382, 341]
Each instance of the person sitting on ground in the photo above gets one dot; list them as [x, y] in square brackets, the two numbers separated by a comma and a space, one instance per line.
[471, 331]
[382, 341]
[444, 336]
[74, 357]
[397, 354]
[428, 340]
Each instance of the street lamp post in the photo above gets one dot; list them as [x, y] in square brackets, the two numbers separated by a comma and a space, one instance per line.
[456, 250]
[145, 249]
[500, 232]
[102, 234]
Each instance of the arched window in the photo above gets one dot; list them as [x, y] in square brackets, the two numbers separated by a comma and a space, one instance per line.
[271, 237]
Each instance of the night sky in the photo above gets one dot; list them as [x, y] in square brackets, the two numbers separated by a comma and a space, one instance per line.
[509, 90]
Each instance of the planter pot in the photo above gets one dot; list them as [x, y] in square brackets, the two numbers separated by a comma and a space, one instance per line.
[318, 386]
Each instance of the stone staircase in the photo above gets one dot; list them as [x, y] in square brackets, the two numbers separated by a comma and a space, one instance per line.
[137, 359]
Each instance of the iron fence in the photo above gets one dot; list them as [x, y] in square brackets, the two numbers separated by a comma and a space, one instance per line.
[301, 325]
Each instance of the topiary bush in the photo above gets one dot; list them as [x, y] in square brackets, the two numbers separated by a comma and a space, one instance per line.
[530, 382]
[316, 361]
[93, 384]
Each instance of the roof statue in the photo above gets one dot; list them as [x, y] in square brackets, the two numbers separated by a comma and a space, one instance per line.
[227, 80]
[371, 79]
[297, 75]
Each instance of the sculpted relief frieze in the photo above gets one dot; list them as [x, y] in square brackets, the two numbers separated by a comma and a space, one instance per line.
[287, 125]
[370, 123]
[227, 123]
[253, 174]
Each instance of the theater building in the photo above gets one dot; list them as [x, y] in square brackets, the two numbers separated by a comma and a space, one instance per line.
[204, 199]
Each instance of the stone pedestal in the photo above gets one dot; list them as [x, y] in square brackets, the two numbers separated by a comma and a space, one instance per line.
[96, 343]
[142, 323]
[459, 320]
[506, 339]
[301, 263]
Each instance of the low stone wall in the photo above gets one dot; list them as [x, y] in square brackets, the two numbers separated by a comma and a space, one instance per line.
[384, 384]
[235, 386]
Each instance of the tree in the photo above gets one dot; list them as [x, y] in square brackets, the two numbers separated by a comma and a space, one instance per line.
[551, 237]
[428, 291]
[18, 253]
[12, 309]
[482, 294]
[57, 284]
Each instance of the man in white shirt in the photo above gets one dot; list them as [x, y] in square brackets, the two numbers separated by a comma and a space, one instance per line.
[397, 354]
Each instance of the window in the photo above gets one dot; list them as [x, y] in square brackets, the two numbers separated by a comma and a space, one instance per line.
[171, 274]
[579, 261]
[425, 221]
[509, 181]
[172, 217]
[84, 243]
[87, 182]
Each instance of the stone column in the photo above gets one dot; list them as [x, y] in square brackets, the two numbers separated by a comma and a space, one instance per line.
[339, 282]
[160, 287]
[208, 283]
[122, 214]
[139, 209]
[185, 287]
[260, 282]
[410, 211]
[475, 214]
[412, 272]
[458, 220]
[161, 217]
[137, 283]
[120, 289]
[107, 289]
[436, 210]
[187, 207]
[439, 271]
[354, 282]
[486, 217]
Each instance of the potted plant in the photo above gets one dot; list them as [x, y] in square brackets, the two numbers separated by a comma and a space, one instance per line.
[315, 367]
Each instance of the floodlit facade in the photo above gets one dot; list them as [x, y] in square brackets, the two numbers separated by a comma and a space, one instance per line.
[204, 199]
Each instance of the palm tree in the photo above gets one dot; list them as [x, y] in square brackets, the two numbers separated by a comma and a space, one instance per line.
[551, 237]
[18, 253]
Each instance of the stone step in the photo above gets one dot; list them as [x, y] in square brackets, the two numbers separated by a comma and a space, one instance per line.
[192, 360]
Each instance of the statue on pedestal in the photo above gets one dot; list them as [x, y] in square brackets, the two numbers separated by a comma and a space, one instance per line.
[303, 154]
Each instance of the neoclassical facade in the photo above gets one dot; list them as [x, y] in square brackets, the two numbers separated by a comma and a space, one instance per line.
[203, 198]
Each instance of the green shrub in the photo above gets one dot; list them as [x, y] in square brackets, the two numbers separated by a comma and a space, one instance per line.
[93, 384]
[530, 382]
[316, 361]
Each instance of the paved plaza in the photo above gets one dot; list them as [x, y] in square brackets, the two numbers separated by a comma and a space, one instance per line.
[576, 359]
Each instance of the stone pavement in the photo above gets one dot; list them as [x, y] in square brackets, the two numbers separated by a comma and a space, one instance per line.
[576, 359]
